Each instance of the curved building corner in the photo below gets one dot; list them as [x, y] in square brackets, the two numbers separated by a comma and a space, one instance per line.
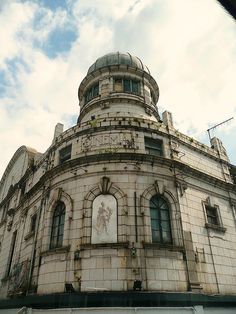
[122, 210]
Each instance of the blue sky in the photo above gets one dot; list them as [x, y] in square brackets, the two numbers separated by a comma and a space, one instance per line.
[48, 45]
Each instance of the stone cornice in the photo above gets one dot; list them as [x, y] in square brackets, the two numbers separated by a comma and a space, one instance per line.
[133, 124]
[161, 161]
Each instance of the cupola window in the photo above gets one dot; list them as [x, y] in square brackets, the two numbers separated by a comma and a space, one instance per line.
[92, 92]
[127, 85]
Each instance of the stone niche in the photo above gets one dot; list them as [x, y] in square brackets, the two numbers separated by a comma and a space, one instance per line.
[104, 219]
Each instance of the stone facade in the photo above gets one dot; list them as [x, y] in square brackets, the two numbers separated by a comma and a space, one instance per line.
[106, 173]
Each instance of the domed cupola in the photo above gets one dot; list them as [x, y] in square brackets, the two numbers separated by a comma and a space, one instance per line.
[117, 58]
[118, 84]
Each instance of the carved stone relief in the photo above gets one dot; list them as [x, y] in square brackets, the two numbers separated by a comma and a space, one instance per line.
[104, 219]
[112, 141]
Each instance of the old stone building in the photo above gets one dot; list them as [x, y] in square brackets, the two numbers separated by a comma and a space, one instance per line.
[121, 202]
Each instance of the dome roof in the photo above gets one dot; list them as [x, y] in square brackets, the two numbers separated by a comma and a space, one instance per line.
[116, 58]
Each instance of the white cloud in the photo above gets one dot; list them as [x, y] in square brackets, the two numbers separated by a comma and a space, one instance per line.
[188, 46]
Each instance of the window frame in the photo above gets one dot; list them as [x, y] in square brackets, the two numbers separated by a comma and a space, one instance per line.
[67, 155]
[151, 148]
[11, 253]
[33, 222]
[5, 209]
[57, 224]
[159, 220]
[127, 85]
[91, 92]
[209, 224]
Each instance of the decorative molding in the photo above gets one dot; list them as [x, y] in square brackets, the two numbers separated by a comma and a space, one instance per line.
[159, 186]
[105, 185]
[182, 185]
[59, 250]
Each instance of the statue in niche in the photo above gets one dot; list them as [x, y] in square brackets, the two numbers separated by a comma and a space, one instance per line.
[103, 218]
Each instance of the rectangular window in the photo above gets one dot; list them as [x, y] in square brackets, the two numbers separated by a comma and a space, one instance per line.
[135, 87]
[4, 211]
[33, 223]
[11, 253]
[212, 215]
[92, 92]
[126, 85]
[65, 154]
[153, 146]
[118, 86]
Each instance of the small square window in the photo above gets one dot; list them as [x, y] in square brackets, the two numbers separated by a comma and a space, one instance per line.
[65, 154]
[153, 146]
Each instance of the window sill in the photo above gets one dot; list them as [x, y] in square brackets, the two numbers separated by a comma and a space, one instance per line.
[104, 245]
[29, 235]
[170, 247]
[215, 227]
[58, 250]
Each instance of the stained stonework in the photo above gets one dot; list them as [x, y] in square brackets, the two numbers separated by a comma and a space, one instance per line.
[104, 172]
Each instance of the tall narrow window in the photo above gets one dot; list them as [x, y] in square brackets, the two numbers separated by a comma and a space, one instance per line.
[10, 258]
[160, 220]
[58, 221]
[92, 92]
[4, 211]
[212, 215]
[33, 223]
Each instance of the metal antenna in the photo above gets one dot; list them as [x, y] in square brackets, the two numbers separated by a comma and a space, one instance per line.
[215, 126]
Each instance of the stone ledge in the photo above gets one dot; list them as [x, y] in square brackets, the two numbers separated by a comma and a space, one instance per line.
[215, 227]
[169, 247]
[58, 250]
[104, 245]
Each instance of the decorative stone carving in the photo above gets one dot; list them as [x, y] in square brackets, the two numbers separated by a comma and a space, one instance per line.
[104, 219]
[182, 185]
[159, 186]
[105, 185]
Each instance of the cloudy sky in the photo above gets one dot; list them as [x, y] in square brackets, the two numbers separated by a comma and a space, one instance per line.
[48, 45]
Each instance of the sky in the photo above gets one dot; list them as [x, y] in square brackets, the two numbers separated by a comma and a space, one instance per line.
[47, 47]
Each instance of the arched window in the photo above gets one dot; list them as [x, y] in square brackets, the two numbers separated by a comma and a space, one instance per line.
[160, 220]
[58, 221]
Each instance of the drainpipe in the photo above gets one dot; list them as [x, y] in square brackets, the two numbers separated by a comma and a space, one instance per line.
[135, 215]
[33, 253]
[178, 200]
